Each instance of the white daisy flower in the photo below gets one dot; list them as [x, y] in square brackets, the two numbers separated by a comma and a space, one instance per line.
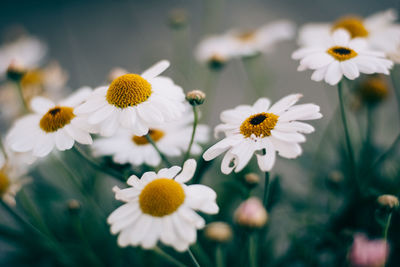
[263, 128]
[135, 102]
[159, 206]
[171, 138]
[27, 51]
[12, 177]
[261, 40]
[340, 56]
[51, 125]
[237, 43]
[380, 31]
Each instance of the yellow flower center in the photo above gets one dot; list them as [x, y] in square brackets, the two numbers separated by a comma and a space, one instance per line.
[259, 124]
[353, 25]
[4, 182]
[341, 53]
[374, 90]
[246, 36]
[128, 90]
[154, 134]
[56, 118]
[161, 197]
[32, 78]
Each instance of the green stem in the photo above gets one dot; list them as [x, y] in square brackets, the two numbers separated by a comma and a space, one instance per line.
[163, 157]
[196, 263]
[266, 190]
[253, 250]
[97, 166]
[168, 257]
[346, 131]
[2, 149]
[386, 230]
[21, 96]
[219, 256]
[195, 121]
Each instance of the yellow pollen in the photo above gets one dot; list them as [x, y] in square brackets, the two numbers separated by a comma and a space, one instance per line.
[155, 135]
[128, 90]
[161, 197]
[341, 53]
[32, 78]
[56, 118]
[259, 124]
[246, 36]
[374, 90]
[4, 182]
[353, 24]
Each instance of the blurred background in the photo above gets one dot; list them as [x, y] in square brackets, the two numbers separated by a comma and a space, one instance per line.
[90, 38]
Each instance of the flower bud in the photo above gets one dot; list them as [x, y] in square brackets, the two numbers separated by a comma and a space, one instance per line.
[388, 201]
[373, 90]
[195, 97]
[73, 206]
[252, 178]
[115, 73]
[368, 253]
[251, 213]
[218, 231]
[178, 18]
[15, 71]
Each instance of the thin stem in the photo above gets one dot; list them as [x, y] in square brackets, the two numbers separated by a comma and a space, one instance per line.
[219, 256]
[266, 190]
[21, 96]
[386, 230]
[346, 131]
[2, 148]
[195, 121]
[196, 263]
[163, 157]
[252, 250]
[168, 257]
[98, 166]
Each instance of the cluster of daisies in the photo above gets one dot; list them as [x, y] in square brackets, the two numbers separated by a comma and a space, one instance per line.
[139, 118]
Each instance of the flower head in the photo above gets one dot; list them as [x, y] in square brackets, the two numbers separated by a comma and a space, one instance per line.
[51, 125]
[264, 129]
[171, 138]
[218, 231]
[159, 206]
[379, 30]
[368, 253]
[135, 102]
[340, 56]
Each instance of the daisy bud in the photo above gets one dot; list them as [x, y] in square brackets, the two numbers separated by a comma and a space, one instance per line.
[196, 97]
[73, 206]
[252, 178]
[373, 90]
[15, 71]
[177, 18]
[388, 201]
[368, 253]
[115, 73]
[218, 231]
[251, 213]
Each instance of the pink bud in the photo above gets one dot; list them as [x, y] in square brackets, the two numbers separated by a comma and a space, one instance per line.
[251, 213]
[368, 253]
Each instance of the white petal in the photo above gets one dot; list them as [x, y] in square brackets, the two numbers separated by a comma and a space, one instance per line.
[341, 37]
[79, 135]
[169, 172]
[41, 104]
[288, 137]
[189, 168]
[262, 104]
[285, 103]
[267, 161]
[349, 69]
[201, 197]
[63, 140]
[288, 150]
[334, 73]
[156, 69]
[221, 147]
[77, 98]
[229, 162]
[101, 115]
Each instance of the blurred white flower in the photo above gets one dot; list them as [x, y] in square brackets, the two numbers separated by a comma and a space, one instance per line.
[171, 138]
[159, 206]
[135, 102]
[265, 129]
[51, 125]
[236, 43]
[340, 56]
[12, 176]
[27, 51]
[380, 31]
